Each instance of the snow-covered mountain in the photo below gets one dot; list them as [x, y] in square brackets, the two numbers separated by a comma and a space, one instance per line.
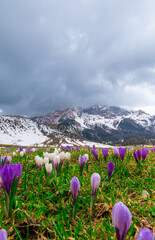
[17, 130]
[97, 123]
[101, 123]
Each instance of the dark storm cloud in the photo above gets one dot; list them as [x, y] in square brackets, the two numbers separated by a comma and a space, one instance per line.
[55, 54]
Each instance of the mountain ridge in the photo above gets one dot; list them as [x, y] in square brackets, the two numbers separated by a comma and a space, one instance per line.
[100, 123]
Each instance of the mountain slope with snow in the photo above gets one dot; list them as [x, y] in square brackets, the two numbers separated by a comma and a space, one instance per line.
[97, 123]
[17, 130]
[101, 123]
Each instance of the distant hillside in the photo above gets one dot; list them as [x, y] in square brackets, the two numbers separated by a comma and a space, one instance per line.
[98, 123]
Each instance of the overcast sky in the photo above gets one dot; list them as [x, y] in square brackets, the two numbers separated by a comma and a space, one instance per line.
[60, 53]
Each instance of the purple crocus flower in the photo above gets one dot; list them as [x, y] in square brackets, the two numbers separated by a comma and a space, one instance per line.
[88, 146]
[21, 148]
[94, 152]
[145, 234]
[122, 152]
[17, 168]
[135, 156]
[82, 160]
[138, 153]
[95, 182]
[105, 153]
[116, 152]
[8, 150]
[94, 146]
[2, 159]
[67, 148]
[145, 151]
[75, 187]
[77, 148]
[28, 150]
[3, 234]
[8, 159]
[7, 175]
[110, 167]
[121, 219]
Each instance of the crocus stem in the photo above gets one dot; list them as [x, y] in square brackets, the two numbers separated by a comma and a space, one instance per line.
[91, 204]
[25, 172]
[56, 172]
[7, 204]
[75, 207]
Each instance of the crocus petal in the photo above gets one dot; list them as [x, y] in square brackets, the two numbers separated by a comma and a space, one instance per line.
[116, 152]
[110, 167]
[145, 234]
[105, 153]
[145, 151]
[122, 152]
[95, 182]
[7, 176]
[94, 152]
[121, 219]
[75, 187]
[138, 153]
[3, 234]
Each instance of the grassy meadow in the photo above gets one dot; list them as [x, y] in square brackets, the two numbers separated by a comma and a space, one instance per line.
[45, 206]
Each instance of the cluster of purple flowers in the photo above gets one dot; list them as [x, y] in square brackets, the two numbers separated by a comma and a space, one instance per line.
[121, 151]
[67, 148]
[5, 160]
[140, 154]
[8, 174]
[153, 150]
[8, 150]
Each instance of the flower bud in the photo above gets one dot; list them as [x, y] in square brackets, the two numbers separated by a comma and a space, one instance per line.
[46, 160]
[3, 234]
[68, 156]
[95, 182]
[121, 219]
[145, 234]
[110, 167]
[75, 187]
[21, 153]
[48, 167]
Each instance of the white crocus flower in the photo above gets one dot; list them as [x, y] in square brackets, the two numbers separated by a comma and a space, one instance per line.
[45, 154]
[62, 156]
[87, 156]
[56, 151]
[68, 156]
[21, 153]
[56, 163]
[51, 156]
[46, 160]
[39, 162]
[48, 167]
